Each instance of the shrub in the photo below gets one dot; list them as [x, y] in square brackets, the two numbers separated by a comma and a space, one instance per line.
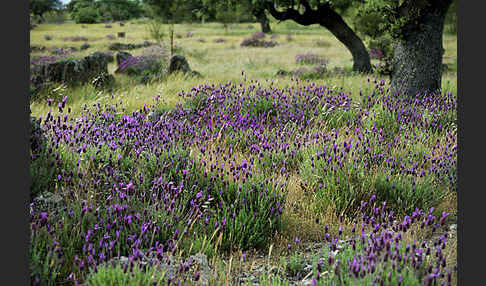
[256, 40]
[250, 42]
[118, 275]
[322, 43]
[85, 46]
[62, 51]
[37, 62]
[310, 58]
[153, 63]
[376, 54]
[86, 15]
[76, 39]
[258, 35]
[156, 30]
[140, 64]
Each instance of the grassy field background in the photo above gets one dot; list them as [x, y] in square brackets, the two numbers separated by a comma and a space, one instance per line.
[217, 62]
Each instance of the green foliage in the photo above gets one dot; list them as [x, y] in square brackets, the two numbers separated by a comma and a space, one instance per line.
[86, 15]
[156, 30]
[176, 11]
[116, 276]
[404, 193]
[43, 263]
[248, 212]
[39, 7]
[42, 174]
[55, 17]
[294, 264]
[450, 25]
[90, 11]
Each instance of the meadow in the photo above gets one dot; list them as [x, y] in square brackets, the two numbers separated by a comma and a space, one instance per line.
[306, 179]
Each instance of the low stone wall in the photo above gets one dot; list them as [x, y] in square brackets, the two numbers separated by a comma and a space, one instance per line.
[72, 72]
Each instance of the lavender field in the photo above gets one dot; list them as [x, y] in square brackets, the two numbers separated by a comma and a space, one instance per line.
[276, 158]
[224, 175]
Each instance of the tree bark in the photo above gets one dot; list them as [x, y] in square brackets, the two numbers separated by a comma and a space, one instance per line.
[417, 59]
[263, 20]
[325, 16]
[336, 25]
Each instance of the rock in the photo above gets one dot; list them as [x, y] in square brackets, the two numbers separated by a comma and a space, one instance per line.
[179, 63]
[37, 138]
[195, 74]
[85, 46]
[72, 72]
[306, 282]
[107, 26]
[102, 55]
[48, 202]
[283, 73]
[203, 266]
[121, 46]
[103, 81]
[37, 48]
[145, 79]
[121, 57]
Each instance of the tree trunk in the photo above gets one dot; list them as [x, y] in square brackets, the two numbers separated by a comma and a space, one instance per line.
[325, 16]
[263, 20]
[336, 25]
[417, 59]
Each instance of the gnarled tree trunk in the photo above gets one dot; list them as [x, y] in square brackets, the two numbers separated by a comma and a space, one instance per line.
[325, 16]
[336, 25]
[417, 60]
[263, 20]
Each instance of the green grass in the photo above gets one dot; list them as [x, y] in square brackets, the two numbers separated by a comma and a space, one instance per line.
[217, 62]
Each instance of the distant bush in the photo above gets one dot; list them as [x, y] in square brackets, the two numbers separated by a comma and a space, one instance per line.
[153, 63]
[156, 30]
[76, 39]
[89, 12]
[256, 40]
[322, 43]
[309, 58]
[85, 46]
[258, 35]
[55, 17]
[86, 15]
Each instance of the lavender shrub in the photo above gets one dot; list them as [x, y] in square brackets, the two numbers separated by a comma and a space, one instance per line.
[138, 186]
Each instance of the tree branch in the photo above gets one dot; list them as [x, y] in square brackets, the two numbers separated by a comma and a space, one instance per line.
[309, 16]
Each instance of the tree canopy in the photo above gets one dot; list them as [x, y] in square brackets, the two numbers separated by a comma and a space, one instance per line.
[93, 11]
[39, 7]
